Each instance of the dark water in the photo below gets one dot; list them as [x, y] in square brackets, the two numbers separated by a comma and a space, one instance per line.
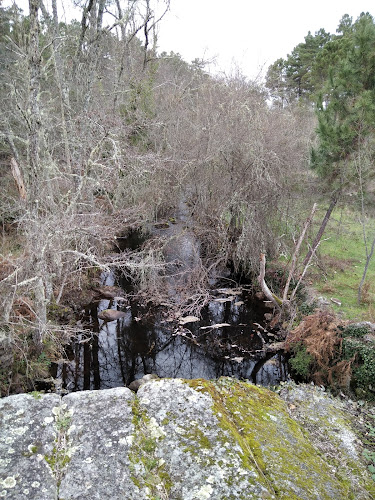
[113, 354]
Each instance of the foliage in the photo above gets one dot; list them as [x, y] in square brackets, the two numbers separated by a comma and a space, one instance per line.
[369, 443]
[364, 365]
[313, 64]
[301, 74]
[339, 355]
[301, 361]
[336, 72]
[307, 308]
[346, 105]
[317, 334]
[355, 330]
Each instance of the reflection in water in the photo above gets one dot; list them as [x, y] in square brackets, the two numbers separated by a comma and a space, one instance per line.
[116, 353]
[113, 354]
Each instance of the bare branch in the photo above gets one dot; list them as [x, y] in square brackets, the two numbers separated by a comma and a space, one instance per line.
[16, 172]
[267, 292]
[296, 252]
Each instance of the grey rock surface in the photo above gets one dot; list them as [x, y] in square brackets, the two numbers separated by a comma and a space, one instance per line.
[181, 440]
[200, 458]
[99, 437]
[27, 436]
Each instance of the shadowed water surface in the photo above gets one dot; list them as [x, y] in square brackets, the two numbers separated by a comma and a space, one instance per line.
[146, 341]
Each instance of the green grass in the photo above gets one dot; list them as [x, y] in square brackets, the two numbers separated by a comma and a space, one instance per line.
[342, 259]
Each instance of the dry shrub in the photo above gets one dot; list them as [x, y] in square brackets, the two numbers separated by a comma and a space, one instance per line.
[24, 307]
[236, 161]
[328, 288]
[6, 267]
[168, 271]
[340, 374]
[367, 296]
[319, 334]
[335, 264]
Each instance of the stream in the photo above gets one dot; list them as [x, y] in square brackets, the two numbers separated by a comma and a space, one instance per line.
[228, 339]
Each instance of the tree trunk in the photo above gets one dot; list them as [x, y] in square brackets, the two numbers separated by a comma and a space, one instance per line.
[34, 61]
[40, 304]
[63, 90]
[368, 259]
[86, 11]
[296, 252]
[17, 176]
[267, 292]
[323, 225]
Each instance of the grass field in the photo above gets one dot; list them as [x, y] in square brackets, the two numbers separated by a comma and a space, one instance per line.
[341, 259]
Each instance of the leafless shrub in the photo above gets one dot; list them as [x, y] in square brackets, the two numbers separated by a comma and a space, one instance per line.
[239, 160]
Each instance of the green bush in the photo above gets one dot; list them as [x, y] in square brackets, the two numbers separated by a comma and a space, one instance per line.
[301, 361]
[364, 365]
[307, 308]
[357, 331]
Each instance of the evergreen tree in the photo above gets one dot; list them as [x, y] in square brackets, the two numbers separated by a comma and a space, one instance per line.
[346, 105]
[295, 78]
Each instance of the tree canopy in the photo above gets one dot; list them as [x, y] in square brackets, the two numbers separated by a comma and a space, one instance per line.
[334, 74]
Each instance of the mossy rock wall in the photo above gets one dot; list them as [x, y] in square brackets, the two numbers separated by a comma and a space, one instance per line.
[182, 440]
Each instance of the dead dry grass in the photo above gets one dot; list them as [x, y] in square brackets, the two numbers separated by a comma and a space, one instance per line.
[336, 264]
[320, 335]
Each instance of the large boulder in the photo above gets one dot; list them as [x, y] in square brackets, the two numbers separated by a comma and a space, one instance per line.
[27, 439]
[182, 439]
[100, 437]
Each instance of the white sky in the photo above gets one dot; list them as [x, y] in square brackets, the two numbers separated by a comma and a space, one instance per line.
[249, 34]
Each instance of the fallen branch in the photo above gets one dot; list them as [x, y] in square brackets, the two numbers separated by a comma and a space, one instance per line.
[267, 292]
[304, 271]
[318, 237]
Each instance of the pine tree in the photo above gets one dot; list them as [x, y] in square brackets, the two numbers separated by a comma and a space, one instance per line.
[346, 105]
[295, 77]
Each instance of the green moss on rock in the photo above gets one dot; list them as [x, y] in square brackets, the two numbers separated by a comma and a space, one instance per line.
[276, 445]
[149, 472]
